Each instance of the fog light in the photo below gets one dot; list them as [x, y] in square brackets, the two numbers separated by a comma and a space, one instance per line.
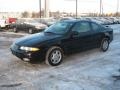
[26, 59]
[29, 55]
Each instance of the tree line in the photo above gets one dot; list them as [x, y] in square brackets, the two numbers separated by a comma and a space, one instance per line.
[58, 14]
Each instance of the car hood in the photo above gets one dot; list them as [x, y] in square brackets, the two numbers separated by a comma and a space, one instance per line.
[36, 39]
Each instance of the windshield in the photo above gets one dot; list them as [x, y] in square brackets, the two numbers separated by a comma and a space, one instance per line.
[59, 28]
[20, 21]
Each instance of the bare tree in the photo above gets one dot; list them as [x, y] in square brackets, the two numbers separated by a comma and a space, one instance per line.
[25, 14]
[34, 15]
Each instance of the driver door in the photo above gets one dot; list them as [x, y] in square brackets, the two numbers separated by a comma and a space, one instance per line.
[83, 39]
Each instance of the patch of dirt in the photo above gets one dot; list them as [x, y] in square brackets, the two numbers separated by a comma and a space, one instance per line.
[116, 77]
[11, 85]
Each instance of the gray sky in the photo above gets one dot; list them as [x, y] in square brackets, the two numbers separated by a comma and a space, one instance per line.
[84, 6]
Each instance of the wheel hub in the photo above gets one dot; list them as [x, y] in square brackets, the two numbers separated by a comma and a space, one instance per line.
[105, 45]
[56, 56]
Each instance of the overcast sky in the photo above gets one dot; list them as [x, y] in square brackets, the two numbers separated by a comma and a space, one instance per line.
[84, 6]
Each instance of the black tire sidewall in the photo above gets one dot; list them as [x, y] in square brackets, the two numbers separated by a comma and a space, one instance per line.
[103, 40]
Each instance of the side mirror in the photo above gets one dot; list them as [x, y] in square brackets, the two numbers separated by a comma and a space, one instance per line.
[74, 33]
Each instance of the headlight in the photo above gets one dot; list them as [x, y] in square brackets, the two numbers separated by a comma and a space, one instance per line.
[29, 49]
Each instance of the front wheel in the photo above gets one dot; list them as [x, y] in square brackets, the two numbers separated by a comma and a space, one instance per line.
[54, 56]
[104, 45]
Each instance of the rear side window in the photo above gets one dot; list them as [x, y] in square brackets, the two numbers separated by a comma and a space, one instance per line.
[82, 27]
[95, 26]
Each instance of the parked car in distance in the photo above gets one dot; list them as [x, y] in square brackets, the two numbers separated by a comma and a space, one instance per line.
[46, 21]
[10, 21]
[64, 37]
[67, 18]
[2, 23]
[94, 20]
[27, 25]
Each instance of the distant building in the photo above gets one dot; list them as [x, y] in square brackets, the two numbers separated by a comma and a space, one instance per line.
[5, 15]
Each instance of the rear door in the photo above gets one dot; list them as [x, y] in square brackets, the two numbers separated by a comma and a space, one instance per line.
[97, 34]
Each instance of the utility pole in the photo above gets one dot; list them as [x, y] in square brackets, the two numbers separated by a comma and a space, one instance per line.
[40, 8]
[117, 7]
[46, 11]
[76, 8]
[100, 7]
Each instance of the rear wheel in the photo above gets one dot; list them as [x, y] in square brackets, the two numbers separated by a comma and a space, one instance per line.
[30, 31]
[104, 45]
[54, 56]
[15, 29]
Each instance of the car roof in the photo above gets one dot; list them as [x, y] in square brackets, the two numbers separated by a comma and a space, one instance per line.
[75, 20]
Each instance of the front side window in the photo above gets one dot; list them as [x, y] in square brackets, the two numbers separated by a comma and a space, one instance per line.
[82, 27]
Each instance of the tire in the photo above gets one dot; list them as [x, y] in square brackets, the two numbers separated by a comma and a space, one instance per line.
[30, 31]
[15, 30]
[54, 56]
[104, 44]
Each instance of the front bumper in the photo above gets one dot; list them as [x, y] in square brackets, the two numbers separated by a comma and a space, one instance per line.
[27, 56]
[2, 26]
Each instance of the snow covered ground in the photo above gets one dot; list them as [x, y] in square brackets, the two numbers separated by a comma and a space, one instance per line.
[89, 70]
[116, 28]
